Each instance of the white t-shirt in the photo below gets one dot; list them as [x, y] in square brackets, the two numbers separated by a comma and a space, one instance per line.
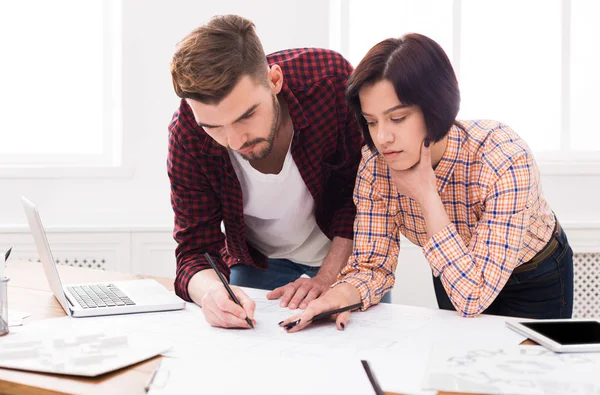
[279, 213]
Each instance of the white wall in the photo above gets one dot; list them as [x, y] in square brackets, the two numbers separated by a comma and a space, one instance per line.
[150, 31]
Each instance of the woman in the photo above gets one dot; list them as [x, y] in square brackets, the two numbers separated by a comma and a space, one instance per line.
[467, 192]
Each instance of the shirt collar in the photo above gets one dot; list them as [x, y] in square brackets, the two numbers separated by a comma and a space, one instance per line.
[443, 171]
[296, 113]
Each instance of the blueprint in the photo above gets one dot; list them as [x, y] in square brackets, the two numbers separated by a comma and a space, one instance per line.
[512, 370]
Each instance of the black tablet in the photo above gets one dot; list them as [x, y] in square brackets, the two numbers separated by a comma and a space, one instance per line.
[566, 335]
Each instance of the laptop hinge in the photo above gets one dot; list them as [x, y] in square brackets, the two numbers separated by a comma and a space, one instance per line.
[70, 303]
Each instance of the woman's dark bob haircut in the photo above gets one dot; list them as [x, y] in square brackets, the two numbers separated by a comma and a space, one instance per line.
[421, 74]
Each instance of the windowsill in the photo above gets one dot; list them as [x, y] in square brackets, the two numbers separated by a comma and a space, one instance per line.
[68, 172]
[158, 229]
[564, 166]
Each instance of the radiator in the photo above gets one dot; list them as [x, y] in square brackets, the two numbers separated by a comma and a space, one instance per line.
[87, 262]
[586, 303]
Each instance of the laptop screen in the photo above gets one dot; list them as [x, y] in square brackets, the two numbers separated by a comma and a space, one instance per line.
[45, 255]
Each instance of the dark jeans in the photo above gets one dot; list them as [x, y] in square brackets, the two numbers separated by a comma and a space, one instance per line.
[279, 273]
[544, 292]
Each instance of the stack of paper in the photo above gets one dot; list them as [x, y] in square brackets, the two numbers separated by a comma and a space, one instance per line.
[394, 339]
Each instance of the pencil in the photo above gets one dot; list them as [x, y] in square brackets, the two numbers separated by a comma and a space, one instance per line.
[372, 378]
[325, 314]
[226, 285]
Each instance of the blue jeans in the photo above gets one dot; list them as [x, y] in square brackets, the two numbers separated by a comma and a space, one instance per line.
[542, 293]
[279, 273]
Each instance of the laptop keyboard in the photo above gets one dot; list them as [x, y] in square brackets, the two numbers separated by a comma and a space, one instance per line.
[93, 296]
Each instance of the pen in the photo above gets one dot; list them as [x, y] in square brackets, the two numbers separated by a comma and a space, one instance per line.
[226, 285]
[372, 378]
[325, 314]
[3, 265]
[151, 379]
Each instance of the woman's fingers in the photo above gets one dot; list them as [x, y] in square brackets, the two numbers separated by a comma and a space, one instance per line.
[342, 320]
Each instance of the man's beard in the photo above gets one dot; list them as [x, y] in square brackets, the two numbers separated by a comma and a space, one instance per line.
[267, 148]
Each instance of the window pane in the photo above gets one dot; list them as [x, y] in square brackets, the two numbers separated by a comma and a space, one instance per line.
[511, 66]
[373, 21]
[51, 76]
[585, 80]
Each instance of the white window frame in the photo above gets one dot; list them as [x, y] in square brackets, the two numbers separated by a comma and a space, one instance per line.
[563, 162]
[112, 162]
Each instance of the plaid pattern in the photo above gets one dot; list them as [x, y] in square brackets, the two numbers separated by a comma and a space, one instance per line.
[490, 187]
[205, 190]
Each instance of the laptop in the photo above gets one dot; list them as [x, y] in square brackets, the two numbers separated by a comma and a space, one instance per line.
[91, 300]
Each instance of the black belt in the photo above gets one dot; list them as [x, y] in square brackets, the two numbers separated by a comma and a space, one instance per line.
[544, 253]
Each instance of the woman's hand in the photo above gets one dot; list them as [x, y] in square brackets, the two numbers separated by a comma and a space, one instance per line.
[341, 296]
[418, 182]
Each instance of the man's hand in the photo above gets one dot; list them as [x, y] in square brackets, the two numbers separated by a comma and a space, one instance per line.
[302, 291]
[341, 296]
[207, 290]
[220, 311]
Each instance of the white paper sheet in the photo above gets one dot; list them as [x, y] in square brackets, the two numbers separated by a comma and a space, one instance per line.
[519, 370]
[401, 367]
[259, 375]
[394, 339]
[75, 352]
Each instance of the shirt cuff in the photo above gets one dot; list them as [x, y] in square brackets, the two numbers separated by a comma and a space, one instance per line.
[343, 222]
[183, 279]
[363, 283]
[443, 249]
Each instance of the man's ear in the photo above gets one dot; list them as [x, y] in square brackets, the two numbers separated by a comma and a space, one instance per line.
[275, 77]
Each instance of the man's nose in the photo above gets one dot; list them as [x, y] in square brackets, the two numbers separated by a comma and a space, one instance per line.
[235, 140]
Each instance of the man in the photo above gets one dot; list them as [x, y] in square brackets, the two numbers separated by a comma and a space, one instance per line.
[266, 145]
